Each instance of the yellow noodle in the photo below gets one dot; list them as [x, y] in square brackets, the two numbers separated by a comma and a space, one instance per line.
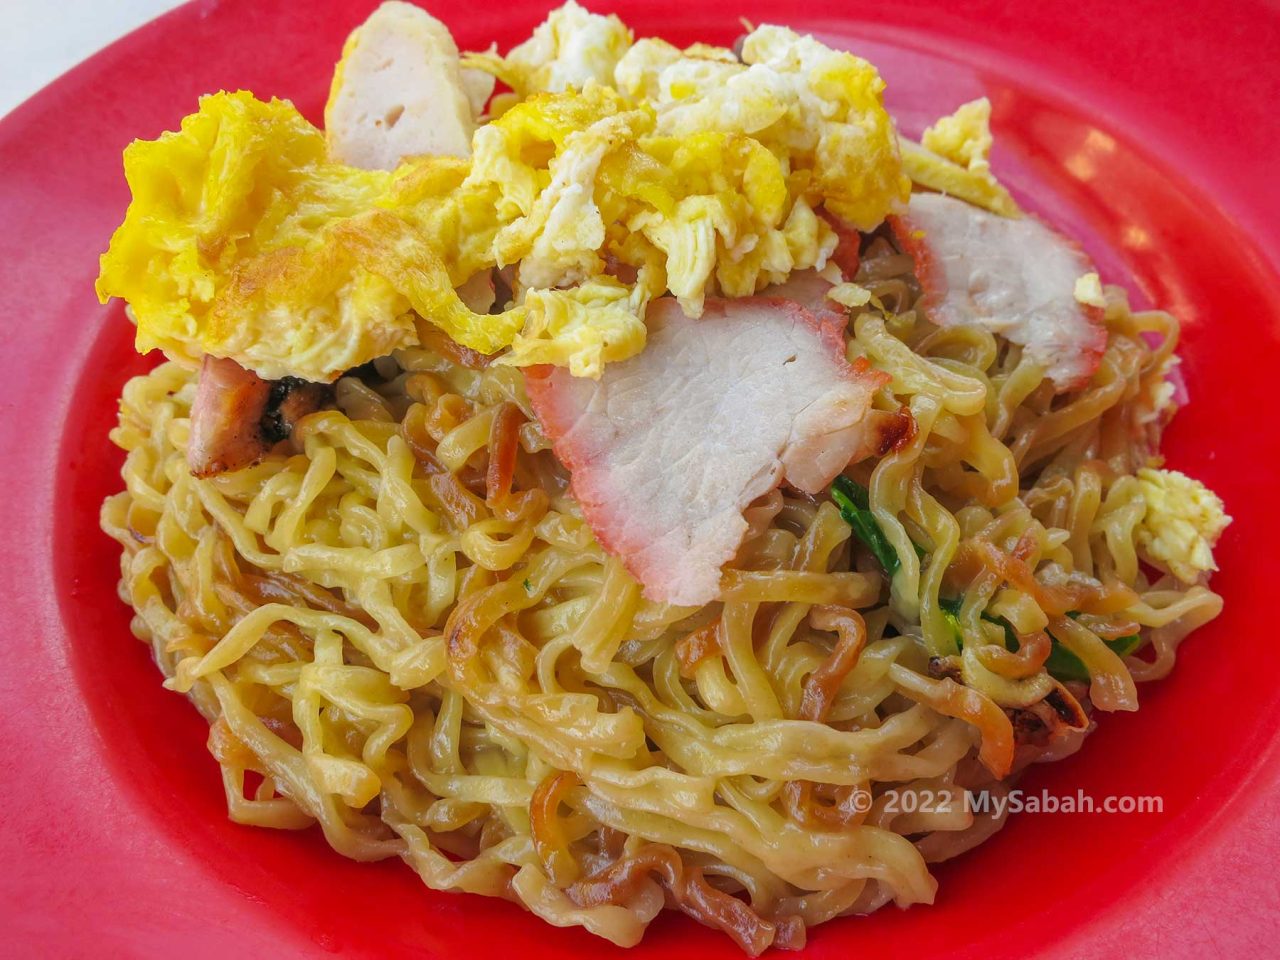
[469, 654]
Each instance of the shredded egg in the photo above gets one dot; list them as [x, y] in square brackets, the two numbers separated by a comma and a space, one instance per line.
[617, 173]
[568, 50]
[581, 328]
[1182, 523]
[953, 157]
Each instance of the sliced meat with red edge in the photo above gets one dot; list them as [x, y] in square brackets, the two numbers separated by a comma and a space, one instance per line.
[1015, 277]
[667, 449]
[225, 417]
[847, 253]
[809, 289]
[237, 417]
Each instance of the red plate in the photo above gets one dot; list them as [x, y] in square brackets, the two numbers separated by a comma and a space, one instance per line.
[1145, 130]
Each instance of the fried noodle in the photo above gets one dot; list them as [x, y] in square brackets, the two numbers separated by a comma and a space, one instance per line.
[402, 630]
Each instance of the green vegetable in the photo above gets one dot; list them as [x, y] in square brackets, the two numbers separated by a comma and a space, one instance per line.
[1065, 665]
[855, 508]
[951, 610]
[1061, 663]
[1123, 646]
[528, 587]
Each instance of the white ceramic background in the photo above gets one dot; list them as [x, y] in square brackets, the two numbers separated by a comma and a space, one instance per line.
[42, 39]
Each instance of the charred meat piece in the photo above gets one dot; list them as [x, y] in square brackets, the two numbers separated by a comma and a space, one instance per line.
[291, 399]
[237, 417]
[229, 406]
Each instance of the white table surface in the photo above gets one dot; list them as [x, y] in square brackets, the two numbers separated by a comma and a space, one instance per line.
[42, 39]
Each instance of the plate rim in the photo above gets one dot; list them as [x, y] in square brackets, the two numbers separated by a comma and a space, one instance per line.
[1229, 845]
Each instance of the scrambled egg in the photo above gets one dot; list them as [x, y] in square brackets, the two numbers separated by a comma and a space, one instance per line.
[617, 173]
[1183, 521]
[953, 158]
[569, 49]
[584, 327]
[225, 236]
[819, 108]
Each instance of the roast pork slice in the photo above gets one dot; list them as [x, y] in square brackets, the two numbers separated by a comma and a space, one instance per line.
[225, 416]
[809, 289]
[1015, 277]
[667, 449]
[237, 417]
